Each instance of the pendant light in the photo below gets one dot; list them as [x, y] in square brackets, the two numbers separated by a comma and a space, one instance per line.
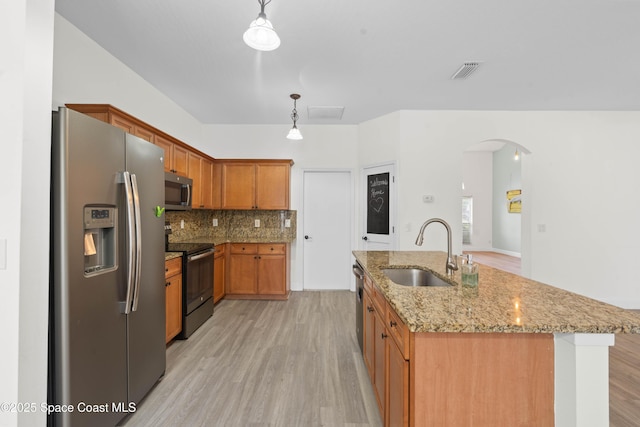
[516, 156]
[294, 133]
[261, 35]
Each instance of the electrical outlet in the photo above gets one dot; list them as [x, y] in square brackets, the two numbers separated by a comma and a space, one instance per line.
[427, 198]
[215, 222]
[257, 223]
[182, 223]
[287, 223]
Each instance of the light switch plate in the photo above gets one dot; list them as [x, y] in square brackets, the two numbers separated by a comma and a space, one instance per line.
[257, 223]
[287, 223]
[182, 223]
[215, 222]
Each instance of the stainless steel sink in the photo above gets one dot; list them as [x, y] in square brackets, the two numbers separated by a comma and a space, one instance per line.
[414, 277]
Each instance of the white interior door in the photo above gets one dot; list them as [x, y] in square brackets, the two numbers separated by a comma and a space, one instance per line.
[379, 193]
[327, 229]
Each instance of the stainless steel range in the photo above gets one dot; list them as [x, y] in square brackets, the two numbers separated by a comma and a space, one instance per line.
[197, 284]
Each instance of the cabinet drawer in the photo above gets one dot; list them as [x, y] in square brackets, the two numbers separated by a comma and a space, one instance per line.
[244, 248]
[398, 330]
[220, 249]
[172, 267]
[269, 248]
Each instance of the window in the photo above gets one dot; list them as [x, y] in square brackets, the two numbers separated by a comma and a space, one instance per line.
[467, 219]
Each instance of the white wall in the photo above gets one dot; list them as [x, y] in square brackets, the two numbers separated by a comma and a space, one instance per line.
[85, 73]
[26, 41]
[579, 179]
[477, 175]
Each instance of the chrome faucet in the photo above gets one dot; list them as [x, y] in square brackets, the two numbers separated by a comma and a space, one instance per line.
[452, 263]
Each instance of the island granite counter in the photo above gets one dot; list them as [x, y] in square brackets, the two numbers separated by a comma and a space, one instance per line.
[512, 351]
[502, 302]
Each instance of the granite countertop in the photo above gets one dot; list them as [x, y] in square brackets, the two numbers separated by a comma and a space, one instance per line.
[502, 302]
[172, 255]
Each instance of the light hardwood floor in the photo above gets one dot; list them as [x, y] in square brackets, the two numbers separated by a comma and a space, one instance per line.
[267, 363]
[297, 363]
[624, 358]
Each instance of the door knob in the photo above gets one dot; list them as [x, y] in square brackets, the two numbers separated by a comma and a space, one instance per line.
[306, 236]
[365, 238]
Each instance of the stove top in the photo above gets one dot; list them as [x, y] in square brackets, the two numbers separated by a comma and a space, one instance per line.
[188, 248]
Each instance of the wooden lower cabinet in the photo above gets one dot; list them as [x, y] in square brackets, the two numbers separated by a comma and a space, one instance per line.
[368, 331]
[456, 379]
[173, 294]
[385, 362]
[219, 272]
[380, 363]
[258, 271]
[397, 409]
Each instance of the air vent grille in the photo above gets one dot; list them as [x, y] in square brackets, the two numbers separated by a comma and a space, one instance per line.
[465, 70]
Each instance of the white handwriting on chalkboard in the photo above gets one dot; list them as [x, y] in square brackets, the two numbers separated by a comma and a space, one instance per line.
[377, 204]
[375, 182]
[375, 193]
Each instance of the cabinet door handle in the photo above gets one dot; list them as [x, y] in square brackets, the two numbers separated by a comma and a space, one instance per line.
[167, 284]
[392, 323]
[383, 335]
[369, 309]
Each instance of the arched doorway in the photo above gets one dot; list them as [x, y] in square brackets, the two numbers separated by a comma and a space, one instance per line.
[492, 198]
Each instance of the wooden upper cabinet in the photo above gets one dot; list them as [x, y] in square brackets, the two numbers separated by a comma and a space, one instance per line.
[272, 185]
[216, 186]
[238, 186]
[175, 156]
[179, 160]
[176, 152]
[130, 126]
[206, 183]
[200, 170]
[255, 184]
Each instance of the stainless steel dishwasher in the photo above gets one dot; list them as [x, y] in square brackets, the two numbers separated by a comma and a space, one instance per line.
[359, 273]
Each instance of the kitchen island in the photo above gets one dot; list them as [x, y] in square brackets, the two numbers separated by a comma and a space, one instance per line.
[512, 351]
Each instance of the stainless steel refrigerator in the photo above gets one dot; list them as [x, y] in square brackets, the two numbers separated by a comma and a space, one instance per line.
[107, 294]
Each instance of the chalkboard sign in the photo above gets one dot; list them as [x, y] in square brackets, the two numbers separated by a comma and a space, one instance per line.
[378, 203]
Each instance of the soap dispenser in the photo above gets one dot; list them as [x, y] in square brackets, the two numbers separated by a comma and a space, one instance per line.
[469, 271]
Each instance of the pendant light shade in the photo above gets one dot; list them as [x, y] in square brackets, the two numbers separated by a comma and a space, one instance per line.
[294, 133]
[261, 35]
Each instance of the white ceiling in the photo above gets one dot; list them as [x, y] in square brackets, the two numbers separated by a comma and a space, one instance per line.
[374, 57]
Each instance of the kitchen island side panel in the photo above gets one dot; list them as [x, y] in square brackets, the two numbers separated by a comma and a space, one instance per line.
[482, 379]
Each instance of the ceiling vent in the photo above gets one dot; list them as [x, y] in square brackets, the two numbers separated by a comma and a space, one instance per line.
[465, 70]
[334, 113]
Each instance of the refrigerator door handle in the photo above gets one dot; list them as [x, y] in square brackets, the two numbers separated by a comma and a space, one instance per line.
[130, 241]
[138, 241]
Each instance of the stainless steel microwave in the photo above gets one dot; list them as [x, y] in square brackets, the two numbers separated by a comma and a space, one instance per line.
[177, 192]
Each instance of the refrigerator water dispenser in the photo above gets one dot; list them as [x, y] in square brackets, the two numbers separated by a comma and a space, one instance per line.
[99, 239]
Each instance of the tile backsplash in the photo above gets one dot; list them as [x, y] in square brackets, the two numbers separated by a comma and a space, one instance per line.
[233, 225]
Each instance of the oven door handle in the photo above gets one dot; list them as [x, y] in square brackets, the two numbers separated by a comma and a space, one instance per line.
[200, 256]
